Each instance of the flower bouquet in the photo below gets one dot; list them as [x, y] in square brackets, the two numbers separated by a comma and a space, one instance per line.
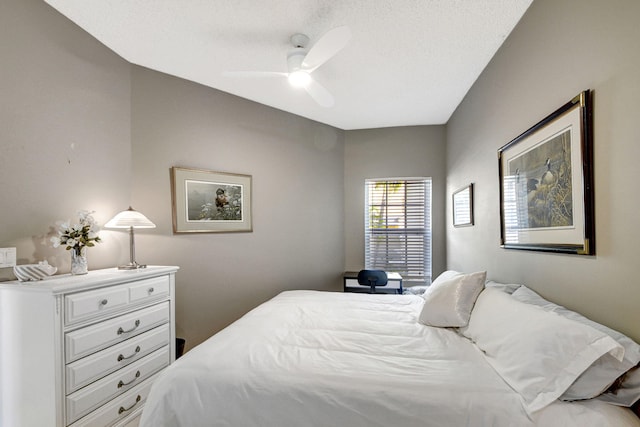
[76, 238]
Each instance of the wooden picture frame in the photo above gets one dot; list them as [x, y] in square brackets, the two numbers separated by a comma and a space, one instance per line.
[462, 202]
[546, 183]
[210, 202]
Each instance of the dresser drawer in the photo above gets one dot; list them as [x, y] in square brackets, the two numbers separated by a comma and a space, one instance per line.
[84, 305]
[91, 397]
[118, 408]
[85, 341]
[149, 289]
[133, 422]
[91, 368]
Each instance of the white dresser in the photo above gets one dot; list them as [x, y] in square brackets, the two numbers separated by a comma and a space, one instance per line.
[84, 350]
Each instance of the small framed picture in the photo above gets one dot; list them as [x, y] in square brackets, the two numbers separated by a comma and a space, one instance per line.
[463, 207]
[546, 183]
[210, 202]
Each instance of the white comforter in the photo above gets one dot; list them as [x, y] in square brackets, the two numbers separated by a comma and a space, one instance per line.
[310, 358]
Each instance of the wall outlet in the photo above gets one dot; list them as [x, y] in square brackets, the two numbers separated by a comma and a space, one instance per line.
[7, 257]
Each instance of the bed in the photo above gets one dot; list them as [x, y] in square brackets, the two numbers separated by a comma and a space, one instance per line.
[312, 358]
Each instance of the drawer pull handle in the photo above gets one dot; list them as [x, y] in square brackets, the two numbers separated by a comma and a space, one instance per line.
[122, 383]
[122, 409]
[122, 357]
[150, 290]
[122, 331]
[104, 302]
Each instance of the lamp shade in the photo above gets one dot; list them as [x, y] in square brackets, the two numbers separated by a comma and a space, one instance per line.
[130, 218]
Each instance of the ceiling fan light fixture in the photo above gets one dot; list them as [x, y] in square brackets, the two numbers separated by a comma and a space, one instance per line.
[303, 60]
[299, 78]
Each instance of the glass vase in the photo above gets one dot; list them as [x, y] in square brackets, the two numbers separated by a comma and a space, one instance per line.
[78, 261]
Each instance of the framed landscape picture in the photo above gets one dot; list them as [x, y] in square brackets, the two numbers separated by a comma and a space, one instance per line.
[210, 202]
[546, 183]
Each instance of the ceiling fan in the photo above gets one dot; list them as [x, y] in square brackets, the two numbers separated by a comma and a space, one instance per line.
[302, 61]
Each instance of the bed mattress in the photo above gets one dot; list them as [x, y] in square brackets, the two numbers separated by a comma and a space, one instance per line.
[310, 358]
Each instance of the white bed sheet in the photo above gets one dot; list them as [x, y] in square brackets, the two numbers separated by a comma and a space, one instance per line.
[308, 358]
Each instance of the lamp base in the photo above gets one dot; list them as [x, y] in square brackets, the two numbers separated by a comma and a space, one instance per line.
[132, 266]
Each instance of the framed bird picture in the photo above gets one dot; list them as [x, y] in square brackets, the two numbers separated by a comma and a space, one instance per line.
[205, 201]
[546, 183]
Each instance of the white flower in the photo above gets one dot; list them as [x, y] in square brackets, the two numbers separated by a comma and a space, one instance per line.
[86, 217]
[84, 233]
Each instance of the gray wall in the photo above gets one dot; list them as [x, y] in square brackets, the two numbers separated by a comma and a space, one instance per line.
[64, 132]
[80, 128]
[296, 167]
[558, 49]
[392, 152]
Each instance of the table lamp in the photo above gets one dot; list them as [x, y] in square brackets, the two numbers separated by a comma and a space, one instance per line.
[130, 219]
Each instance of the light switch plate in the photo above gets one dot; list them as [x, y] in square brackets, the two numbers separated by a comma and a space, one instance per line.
[7, 257]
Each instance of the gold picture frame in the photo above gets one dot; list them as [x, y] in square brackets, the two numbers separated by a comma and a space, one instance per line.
[205, 201]
[546, 183]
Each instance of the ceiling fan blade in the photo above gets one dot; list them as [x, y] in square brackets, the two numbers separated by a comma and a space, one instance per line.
[253, 74]
[329, 44]
[320, 94]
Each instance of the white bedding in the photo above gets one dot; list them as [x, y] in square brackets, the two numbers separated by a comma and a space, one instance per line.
[309, 358]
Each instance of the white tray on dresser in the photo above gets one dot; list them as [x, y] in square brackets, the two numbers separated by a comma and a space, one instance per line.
[84, 350]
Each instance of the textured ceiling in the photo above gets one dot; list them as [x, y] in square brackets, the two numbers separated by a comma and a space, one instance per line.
[409, 62]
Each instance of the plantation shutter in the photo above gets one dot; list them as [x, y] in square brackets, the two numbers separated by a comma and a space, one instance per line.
[398, 227]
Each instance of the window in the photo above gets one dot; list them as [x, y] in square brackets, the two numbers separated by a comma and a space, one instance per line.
[398, 227]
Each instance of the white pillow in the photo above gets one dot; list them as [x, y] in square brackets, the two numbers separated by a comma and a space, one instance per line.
[446, 275]
[628, 393]
[504, 287]
[448, 302]
[604, 371]
[538, 353]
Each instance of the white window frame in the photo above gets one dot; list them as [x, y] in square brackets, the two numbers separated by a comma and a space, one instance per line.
[401, 240]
